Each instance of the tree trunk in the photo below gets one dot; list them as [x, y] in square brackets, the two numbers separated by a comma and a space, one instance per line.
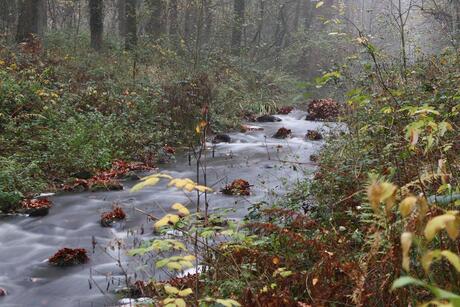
[208, 20]
[131, 25]
[188, 22]
[308, 17]
[121, 10]
[155, 24]
[96, 23]
[8, 13]
[173, 25]
[29, 19]
[238, 21]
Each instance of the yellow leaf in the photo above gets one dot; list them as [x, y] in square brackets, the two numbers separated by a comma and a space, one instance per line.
[189, 257]
[180, 302]
[169, 219]
[431, 256]
[189, 187]
[174, 266]
[203, 188]
[453, 228]
[149, 182]
[436, 224]
[166, 176]
[378, 192]
[319, 4]
[183, 211]
[185, 292]
[407, 206]
[228, 302]
[413, 136]
[406, 242]
[171, 290]
[202, 124]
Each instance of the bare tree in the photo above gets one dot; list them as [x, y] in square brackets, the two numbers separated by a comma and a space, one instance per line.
[238, 22]
[30, 20]
[131, 24]
[96, 22]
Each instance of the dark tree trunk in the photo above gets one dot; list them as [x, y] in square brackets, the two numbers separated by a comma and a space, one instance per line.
[188, 22]
[308, 17]
[131, 25]
[173, 25]
[29, 19]
[96, 23]
[155, 25]
[8, 14]
[208, 20]
[238, 21]
[121, 11]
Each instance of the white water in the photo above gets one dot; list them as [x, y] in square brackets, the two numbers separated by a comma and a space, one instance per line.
[26, 243]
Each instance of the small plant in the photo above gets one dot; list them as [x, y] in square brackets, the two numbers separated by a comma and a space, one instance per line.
[109, 218]
[282, 133]
[238, 187]
[69, 257]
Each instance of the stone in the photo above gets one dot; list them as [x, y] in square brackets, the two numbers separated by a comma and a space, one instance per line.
[221, 138]
[313, 135]
[282, 133]
[268, 119]
[69, 256]
[323, 109]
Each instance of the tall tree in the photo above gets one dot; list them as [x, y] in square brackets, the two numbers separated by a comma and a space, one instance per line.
[121, 12]
[238, 21]
[30, 20]
[7, 16]
[155, 23]
[173, 23]
[131, 25]
[96, 23]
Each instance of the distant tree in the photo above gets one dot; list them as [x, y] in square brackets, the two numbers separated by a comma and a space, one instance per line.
[31, 19]
[8, 13]
[131, 25]
[121, 13]
[238, 21]
[96, 23]
[173, 23]
[155, 23]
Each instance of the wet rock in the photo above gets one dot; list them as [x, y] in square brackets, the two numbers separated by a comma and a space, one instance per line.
[268, 119]
[106, 185]
[111, 217]
[285, 110]
[282, 133]
[323, 109]
[10, 201]
[237, 187]
[35, 207]
[313, 135]
[250, 128]
[69, 256]
[131, 175]
[3, 292]
[82, 175]
[221, 138]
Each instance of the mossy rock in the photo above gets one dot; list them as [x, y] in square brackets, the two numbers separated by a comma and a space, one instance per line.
[104, 187]
[10, 201]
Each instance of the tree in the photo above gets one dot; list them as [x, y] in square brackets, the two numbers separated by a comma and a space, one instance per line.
[96, 23]
[121, 12]
[173, 25]
[238, 21]
[131, 25]
[31, 19]
[155, 23]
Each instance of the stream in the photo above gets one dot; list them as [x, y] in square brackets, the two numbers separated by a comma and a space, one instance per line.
[270, 165]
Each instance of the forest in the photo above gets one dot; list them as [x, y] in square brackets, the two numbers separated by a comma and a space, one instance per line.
[230, 153]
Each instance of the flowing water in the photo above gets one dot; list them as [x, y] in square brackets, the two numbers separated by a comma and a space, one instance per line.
[269, 164]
